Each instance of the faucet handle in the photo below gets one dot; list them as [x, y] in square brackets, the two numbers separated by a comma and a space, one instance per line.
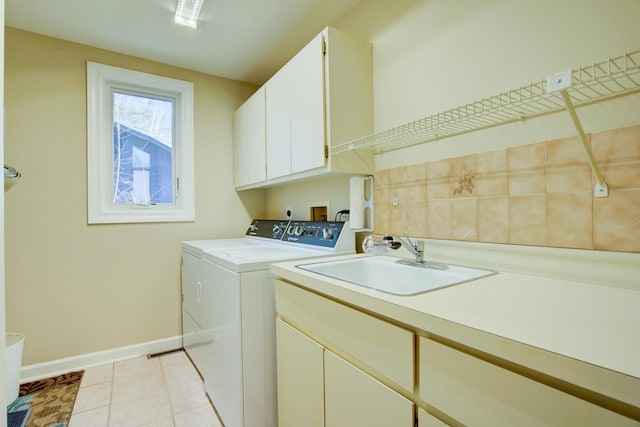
[370, 245]
[417, 245]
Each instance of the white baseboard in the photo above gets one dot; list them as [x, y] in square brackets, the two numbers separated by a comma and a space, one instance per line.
[60, 366]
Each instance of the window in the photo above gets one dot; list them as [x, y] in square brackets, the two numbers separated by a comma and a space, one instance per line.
[140, 147]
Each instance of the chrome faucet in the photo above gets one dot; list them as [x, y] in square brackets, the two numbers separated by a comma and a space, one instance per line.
[416, 248]
[388, 242]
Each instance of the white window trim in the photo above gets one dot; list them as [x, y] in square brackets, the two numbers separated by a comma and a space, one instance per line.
[101, 209]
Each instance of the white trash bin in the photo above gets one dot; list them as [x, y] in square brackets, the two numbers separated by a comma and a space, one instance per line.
[15, 345]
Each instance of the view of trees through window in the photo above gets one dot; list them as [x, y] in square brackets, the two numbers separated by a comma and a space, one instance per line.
[142, 149]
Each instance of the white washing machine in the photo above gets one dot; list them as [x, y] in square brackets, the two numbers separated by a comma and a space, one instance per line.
[229, 310]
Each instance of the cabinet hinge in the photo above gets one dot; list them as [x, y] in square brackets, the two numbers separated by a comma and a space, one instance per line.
[326, 151]
[324, 46]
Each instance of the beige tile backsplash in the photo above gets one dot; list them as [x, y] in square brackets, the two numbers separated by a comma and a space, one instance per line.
[537, 194]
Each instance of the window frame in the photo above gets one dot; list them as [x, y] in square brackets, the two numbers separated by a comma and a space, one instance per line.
[102, 80]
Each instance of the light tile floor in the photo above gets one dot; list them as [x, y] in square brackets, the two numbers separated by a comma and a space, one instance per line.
[162, 391]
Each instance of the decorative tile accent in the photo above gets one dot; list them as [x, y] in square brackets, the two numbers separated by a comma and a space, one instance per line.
[463, 169]
[536, 194]
[464, 185]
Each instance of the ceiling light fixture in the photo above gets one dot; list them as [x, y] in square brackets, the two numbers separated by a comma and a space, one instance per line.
[187, 12]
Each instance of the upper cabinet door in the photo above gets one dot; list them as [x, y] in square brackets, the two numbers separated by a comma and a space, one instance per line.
[308, 107]
[250, 140]
[278, 114]
[296, 114]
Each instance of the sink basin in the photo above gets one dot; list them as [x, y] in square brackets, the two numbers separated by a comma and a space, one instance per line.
[394, 275]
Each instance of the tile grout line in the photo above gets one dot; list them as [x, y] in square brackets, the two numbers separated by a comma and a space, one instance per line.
[166, 389]
[111, 382]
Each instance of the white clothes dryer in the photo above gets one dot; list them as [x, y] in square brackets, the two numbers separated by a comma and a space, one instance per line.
[229, 310]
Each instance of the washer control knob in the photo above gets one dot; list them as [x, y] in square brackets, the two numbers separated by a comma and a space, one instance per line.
[327, 234]
[298, 230]
[276, 229]
[253, 228]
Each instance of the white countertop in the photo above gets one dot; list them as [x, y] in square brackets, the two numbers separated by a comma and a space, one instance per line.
[589, 323]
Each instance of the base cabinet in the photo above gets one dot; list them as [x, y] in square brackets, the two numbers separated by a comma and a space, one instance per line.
[339, 366]
[317, 388]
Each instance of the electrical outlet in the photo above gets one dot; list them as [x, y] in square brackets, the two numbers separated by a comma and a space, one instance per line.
[559, 81]
[288, 211]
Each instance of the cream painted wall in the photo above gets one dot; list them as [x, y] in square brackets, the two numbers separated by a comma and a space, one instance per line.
[299, 195]
[73, 288]
[433, 55]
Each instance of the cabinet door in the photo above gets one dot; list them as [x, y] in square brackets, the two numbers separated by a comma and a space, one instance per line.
[249, 140]
[307, 107]
[300, 378]
[381, 346]
[354, 399]
[425, 419]
[278, 123]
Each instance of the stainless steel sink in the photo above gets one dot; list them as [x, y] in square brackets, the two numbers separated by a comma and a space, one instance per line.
[394, 275]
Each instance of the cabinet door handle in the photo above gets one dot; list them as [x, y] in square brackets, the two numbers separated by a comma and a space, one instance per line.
[198, 292]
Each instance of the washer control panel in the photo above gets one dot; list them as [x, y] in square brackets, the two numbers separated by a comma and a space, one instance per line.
[267, 228]
[314, 233]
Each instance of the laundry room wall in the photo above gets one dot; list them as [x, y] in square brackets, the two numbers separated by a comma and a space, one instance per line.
[431, 56]
[74, 288]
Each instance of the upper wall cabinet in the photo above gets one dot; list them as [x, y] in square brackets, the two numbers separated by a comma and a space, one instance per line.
[249, 131]
[322, 97]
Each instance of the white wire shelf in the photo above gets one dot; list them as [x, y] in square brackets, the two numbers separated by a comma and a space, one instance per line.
[615, 77]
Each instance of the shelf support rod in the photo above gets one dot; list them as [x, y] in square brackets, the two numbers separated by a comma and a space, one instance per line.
[375, 175]
[601, 189]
